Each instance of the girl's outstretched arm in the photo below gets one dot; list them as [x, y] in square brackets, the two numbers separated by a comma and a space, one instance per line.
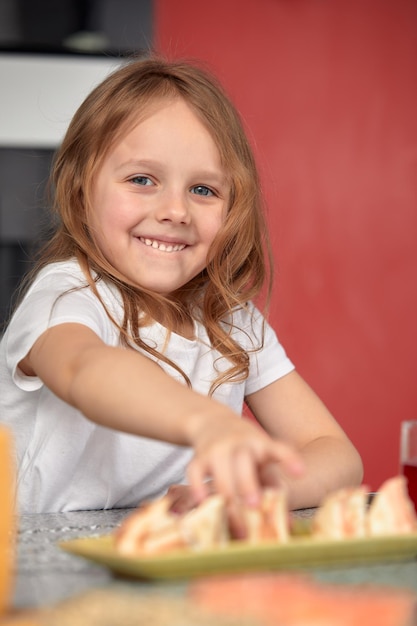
[122, 389]
[289, 410]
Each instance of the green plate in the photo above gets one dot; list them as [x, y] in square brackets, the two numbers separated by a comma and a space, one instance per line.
[238, 556]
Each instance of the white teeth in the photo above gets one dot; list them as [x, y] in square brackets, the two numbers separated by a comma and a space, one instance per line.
[164, 247]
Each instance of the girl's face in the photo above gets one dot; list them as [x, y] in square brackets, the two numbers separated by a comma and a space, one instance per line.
[159, 199]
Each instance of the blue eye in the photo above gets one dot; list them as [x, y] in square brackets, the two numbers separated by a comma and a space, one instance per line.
[141, 180]
[202, 190]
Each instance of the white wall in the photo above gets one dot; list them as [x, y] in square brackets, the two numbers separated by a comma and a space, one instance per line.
[40, 93]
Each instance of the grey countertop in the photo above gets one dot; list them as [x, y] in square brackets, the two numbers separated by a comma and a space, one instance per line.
[46, 574]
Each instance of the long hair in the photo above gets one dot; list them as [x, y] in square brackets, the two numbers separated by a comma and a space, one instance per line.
[238, 263]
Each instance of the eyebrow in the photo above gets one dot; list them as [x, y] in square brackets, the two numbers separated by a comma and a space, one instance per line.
[217, 178]
[141, 163]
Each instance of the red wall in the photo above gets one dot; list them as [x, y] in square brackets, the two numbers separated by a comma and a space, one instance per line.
[328, 91]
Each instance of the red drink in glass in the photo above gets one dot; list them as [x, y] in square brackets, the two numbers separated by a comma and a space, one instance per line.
[408, 457]
[410, 472]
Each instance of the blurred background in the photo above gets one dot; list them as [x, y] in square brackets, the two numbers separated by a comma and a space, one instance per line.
[327, 90]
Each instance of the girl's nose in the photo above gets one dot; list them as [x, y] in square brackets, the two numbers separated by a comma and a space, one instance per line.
[173, 207]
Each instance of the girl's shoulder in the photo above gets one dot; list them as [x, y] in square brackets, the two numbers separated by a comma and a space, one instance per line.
[67, 277]
[64, 276]
[248, 325]
[246, 317]
[67, 274]
[61, 293]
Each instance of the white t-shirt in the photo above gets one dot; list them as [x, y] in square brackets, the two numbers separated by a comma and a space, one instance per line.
[66, 462]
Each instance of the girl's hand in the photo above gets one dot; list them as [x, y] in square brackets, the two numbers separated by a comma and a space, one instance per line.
[182, 499]
[234, 453]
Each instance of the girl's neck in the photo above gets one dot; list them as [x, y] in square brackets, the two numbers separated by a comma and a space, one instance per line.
[185, 329]
[182, 324]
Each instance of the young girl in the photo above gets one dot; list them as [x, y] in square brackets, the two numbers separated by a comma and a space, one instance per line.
[125, 368]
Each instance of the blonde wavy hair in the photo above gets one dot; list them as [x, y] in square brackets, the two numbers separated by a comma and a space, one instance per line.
[238, 265]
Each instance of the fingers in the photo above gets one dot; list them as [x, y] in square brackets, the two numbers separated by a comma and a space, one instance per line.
[182, 499]
[196, 475]
[237, 468]
[232, 473]
[289, 459]
[237, 526]
[245, 476]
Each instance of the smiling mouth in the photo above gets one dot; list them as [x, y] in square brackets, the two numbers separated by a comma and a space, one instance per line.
[160, 245]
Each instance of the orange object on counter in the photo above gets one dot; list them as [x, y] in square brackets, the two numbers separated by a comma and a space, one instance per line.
[7, 530]
[297, 600]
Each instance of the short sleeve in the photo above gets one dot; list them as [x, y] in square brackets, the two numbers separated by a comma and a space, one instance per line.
[56, 297]
[268, 358]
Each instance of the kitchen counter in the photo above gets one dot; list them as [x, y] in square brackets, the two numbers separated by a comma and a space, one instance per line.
[46, 574]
